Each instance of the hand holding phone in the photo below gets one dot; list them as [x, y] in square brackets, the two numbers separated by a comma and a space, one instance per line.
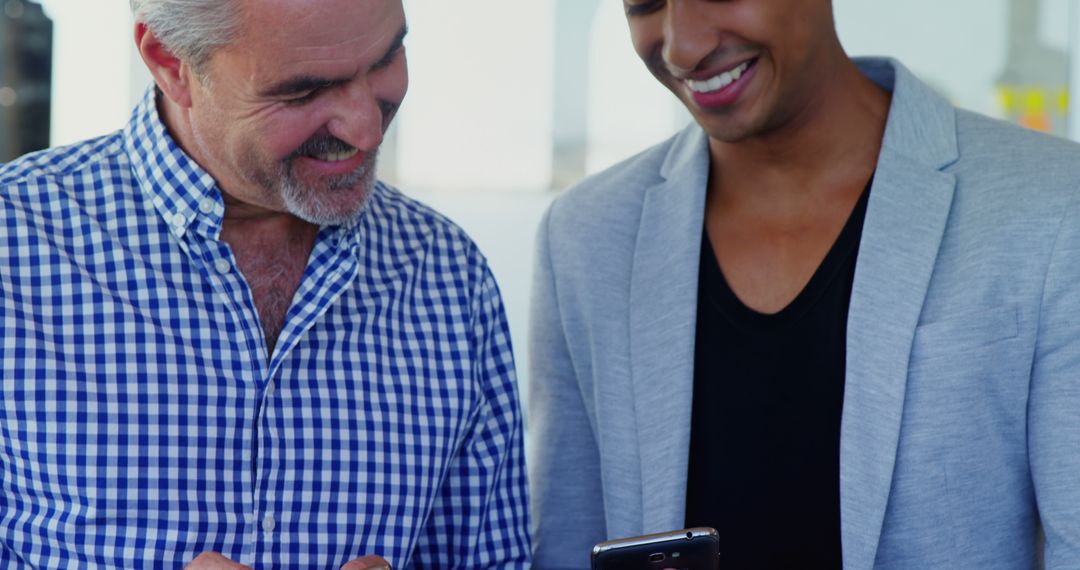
[687, 549]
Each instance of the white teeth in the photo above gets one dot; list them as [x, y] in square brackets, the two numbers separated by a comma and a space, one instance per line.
[718, 82]
[336, 156]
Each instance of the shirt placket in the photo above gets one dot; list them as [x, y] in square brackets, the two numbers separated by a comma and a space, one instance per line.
[219, 266]
[268, 515]
[333, 269]
[265, 521]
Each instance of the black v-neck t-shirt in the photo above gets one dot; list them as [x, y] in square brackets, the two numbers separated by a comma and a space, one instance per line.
[765, 434]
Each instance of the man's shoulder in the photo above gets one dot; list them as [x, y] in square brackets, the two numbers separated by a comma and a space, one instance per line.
[985, 138]
[404, 215]
[995, 155]
[53, 164]
[981, 151]
[405, 223]
[615, 194]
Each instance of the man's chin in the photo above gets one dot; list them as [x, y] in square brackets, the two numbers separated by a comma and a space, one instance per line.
[335, 208]
[330, 202]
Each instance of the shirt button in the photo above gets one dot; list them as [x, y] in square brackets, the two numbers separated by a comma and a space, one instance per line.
[206, 206]
[222, 266]
[268, 523]
[179, 220]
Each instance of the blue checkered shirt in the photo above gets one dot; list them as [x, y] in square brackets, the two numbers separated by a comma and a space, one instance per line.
[141, 422]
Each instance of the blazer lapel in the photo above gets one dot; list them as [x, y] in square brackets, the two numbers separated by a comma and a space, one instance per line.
[663, 316]
[905, 221]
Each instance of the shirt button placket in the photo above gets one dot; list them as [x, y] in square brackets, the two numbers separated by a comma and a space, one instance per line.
[222, 266]
[268, 523]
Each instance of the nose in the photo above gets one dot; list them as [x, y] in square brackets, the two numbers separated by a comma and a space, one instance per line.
[688, 37]
[358, 118]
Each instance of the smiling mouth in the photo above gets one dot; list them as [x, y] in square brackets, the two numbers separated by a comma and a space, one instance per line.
[719, 81]
[337, 156]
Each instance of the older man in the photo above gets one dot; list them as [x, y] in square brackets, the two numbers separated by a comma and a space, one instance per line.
[222, 341]
[835, 318]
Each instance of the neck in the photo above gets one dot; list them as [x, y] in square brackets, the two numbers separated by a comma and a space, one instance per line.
[832, 141]
[178, 123]
[271, 251]
[244, 224]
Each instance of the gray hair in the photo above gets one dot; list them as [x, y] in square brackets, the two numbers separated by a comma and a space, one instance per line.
[190, 29]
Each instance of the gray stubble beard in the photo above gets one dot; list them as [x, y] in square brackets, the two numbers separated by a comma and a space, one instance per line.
[310, 203]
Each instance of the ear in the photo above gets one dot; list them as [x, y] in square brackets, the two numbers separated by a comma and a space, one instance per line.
[172, 75]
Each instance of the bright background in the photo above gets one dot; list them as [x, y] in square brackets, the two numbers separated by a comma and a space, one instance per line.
[512, 100]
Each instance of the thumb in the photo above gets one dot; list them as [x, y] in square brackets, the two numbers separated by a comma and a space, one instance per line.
[367, 563]
[214, 561]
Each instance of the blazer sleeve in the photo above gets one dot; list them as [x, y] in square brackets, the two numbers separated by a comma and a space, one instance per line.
[1054, 404]
[564, 460]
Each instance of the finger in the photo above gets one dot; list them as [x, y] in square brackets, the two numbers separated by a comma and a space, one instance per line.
[214, 561]
[367, 563]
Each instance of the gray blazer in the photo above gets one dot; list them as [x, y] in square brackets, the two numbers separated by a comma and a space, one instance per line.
[961, 417]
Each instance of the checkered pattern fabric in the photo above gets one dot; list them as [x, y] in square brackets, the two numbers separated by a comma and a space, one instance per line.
[142, 423]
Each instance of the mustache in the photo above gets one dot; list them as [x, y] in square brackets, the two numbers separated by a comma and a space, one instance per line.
[326, 144]
[322, 144]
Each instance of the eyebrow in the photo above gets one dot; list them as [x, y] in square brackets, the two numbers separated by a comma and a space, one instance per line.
[304, 83]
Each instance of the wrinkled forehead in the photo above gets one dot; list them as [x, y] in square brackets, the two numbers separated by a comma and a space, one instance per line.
[276, 35]
[318, 25]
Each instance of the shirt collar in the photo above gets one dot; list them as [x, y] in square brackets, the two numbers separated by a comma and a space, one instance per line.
[183, 193]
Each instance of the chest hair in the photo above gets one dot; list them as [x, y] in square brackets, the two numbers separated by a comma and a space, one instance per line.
[274, 270]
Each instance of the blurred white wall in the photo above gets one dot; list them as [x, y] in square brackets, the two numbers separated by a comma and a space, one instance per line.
[958, 46]
[94, 75]
[479, 110]
[629, 110]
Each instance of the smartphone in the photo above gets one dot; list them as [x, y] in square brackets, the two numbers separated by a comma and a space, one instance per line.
[686, 549]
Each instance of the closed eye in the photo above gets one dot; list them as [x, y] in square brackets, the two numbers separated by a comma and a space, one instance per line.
[396, 48]
[387, 59]
[643, 8]
[305, 98]
[308, 94]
